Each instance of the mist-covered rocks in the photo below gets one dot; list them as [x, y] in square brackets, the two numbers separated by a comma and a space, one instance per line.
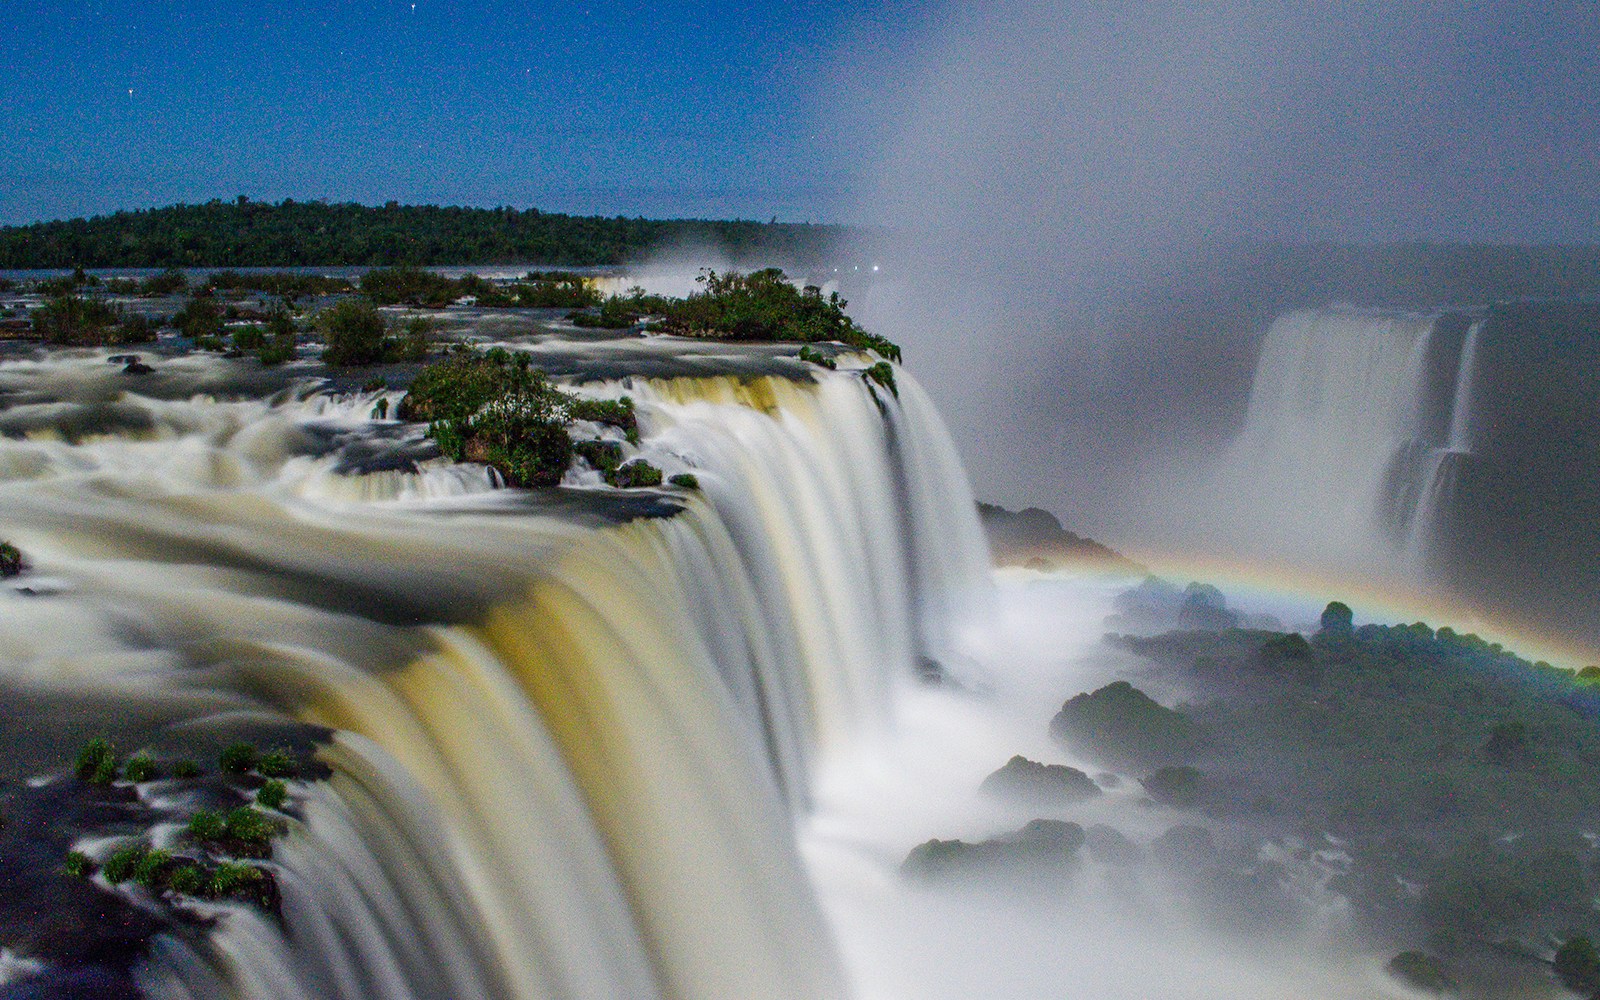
[1121, 727]
[1022, 778]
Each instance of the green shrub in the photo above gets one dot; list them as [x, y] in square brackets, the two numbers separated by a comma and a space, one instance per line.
[409, 285]
[249, 825]
[233, 878]
[141, 767]
[120, 866]
[816, 357]
[605, 456]
[1577, 965]
[199, 319]
[135, 328]
[278, 763]
[92, 759]
[353, 331]
[150, 871]
[272, 794]
[618, 413]
[1337, 618]
[883, 374]
[249, 338]
[207, 825]
[416, 338]
[637, 473]
[78, 864]
[186, 769]
[11, 561]
[554, 290]
[685, 480]
[763, 305]
[168, 282]
[237, 758]
[188, 880]
[76, 321]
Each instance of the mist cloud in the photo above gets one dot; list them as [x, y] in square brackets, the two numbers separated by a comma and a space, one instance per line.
[1070, 185]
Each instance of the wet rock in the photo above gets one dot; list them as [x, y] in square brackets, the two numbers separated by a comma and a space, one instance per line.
[1056, 783]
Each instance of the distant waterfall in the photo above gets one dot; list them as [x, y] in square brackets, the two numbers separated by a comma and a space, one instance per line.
[571, 730]
[1356, 425]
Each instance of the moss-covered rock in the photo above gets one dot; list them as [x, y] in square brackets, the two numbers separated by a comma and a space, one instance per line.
[1120, 726]
[1420, 972]
[637, 473]
[1174, 786]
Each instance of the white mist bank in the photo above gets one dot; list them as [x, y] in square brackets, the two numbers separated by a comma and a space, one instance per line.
[1117, 934]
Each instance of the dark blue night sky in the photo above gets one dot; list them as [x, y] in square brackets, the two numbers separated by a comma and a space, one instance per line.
[1329, 120]
[665, 109]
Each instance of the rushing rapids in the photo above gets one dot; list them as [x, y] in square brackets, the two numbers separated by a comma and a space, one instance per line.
[567, 732]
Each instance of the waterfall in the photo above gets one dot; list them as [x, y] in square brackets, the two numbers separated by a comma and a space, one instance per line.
[1355, 429]
[570, 730]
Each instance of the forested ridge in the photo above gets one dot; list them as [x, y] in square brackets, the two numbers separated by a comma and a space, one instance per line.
[244, 233]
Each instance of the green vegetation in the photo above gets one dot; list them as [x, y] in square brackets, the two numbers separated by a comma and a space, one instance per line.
[280, 338]
[11, 561]
[883, 374]
[685, 481]
[186, 769]
[278, 763]
[188, 880]
[168, 282]
[150, 871]
[616, 413]
[1122, 727]
[120, 866]
[237, 758]
[97, 762]
[816, 357]
[141, 767]
[1478, 800]
[1337, 618]
[207, 825]
[1577, 965]
[78, 864]
[1420, 972]
[237, 879]
[74, 321]
[763, 305]
[248, 825]
[605, 456]
[494, 408]
[200, 319]
[272, 795]
[244, 233]
[635, 475]
[282, 284]
[354, 332]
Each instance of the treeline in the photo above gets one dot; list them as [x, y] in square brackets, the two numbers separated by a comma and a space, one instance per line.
[243, 233]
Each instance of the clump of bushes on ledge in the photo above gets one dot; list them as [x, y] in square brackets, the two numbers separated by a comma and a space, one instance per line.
[764, 305]
[494, 407]
[356, 334]
[637, 473]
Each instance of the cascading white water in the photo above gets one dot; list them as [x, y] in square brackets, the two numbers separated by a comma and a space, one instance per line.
[564, 752]
[1343, 461]
[1443, 465]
